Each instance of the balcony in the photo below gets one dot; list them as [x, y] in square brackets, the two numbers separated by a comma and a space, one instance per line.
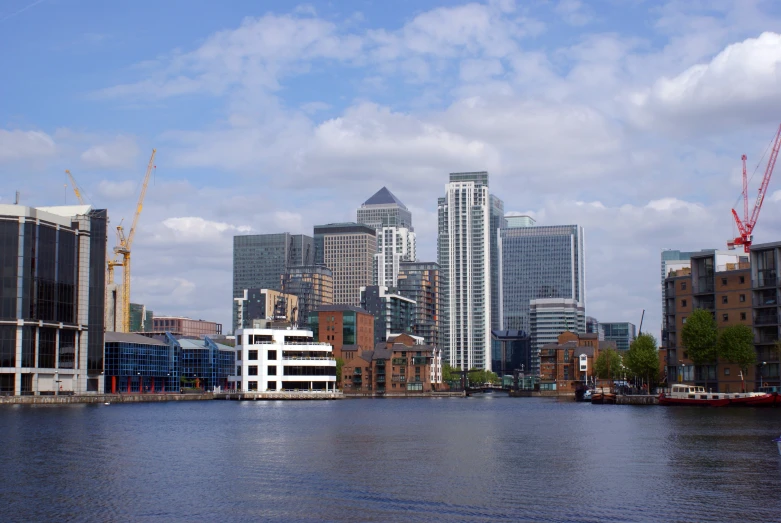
[420, 360]
[380, 379]
[766, 278]
[399, 361]
[357, 380]
[766, 319]
[399, 379]
[766, 298]
[380, 371]
[357, 370]
[379, 363]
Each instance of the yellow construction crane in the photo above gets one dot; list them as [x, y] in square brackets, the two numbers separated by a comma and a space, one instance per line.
[75, 187]
[123, 249]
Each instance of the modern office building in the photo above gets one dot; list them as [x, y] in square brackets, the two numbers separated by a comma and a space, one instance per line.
[395, 236]
[52, 299]
[719, 282]
[510, 351]
[464, 257]
[540, 262]
[497, 223]
[393, 313]
[260, 260]
[314, 286]
[420, 281]
[282, 359]
[265, 304]
[620, 333]
[181, 326]
[594, 327]
[348, 250]
[549, 317]
[766, 290]
[348, 329]
[140, 318]
[519, 220]
[206, 365]
[140, 364]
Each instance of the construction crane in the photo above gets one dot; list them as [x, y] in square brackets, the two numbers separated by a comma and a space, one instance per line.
[123, 247]
[746, 225]
[75, 187]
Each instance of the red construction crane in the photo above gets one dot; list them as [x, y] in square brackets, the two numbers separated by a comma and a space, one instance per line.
[746, 226]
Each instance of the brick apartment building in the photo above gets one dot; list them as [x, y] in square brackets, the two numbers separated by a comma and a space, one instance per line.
[570, 362]
[349, 329]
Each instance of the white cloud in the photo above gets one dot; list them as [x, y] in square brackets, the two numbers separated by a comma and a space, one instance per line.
[116, 154]
[573, 12]
[193, 229]
[18, 145]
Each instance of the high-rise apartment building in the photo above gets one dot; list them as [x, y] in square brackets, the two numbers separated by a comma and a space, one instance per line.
[549, 318]
[395, 235]
[766, 290]
[348, 250]
[52, 299]
[420, 282]
[393, 313]
[314, 286]
[464, 256]
[539, 262]
[260, 260]
[497, 223]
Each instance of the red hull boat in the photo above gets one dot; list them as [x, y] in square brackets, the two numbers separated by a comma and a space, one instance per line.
[696, 396]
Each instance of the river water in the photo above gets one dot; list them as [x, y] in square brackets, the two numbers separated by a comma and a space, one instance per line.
[488, 458]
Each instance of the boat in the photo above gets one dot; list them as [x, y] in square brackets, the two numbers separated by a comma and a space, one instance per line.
[587, 395]
[681, 394]
[603, 396]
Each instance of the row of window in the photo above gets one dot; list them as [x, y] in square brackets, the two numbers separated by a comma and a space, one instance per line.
[724, 300]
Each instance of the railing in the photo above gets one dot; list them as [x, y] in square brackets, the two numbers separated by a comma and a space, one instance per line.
[357, 380]
[299, 358]
[379, 372]
[420, 360]
[380, 379]
[766, 278]
[357, 370]
[379, 363]
[770, 319]
[399, 361]
[399, 379]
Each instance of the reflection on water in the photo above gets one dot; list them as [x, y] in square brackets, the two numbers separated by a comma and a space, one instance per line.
[473, 459]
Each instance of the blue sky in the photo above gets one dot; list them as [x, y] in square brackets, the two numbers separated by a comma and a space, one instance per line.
[628, 117]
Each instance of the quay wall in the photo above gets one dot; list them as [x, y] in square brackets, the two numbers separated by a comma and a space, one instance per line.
[101, 398]
[637, 400]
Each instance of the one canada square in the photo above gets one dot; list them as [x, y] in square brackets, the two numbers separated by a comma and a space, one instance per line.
[464, 255]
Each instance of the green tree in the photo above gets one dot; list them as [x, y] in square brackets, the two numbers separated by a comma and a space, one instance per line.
[699, 337]
[481, 376]
[736, 346]
[450, 373]
[642, 359]
[608, 364]
[339, 366]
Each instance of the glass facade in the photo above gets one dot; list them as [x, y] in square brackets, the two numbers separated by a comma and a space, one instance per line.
[510, 351]
[141, 365]
[498, 222]
[206, 365]
[419, 281]
[314, 286]
[540, 262]
[393, 313]
[623, 334]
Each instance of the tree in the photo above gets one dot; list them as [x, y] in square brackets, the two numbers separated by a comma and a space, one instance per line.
[736, 345]
[608, 364]
[339, 365]
[699, 337]
[481, 376]
[642, 358]
[450, 373]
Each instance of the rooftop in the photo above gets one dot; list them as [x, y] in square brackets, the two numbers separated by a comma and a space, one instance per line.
[340, 308]
[126, 337]
[384, 197]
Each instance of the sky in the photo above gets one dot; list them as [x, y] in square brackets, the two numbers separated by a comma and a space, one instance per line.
[627, 117]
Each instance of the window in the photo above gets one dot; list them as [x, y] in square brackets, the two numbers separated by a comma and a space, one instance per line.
[683, 285]
[252, 370]
[724, 300]
[252, 355]
[238, 371]
[683, 320]
[742, 298]
[742, 279]
[725, 317]
[272, 354]
[726, 371]
[683, 303]
[272, 370]
[743, 316]
[723, 282]
[252, 385]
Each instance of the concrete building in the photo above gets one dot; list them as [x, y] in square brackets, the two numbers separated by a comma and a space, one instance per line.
[140, 318]
[718, 282]
[348, 329]
[181, 326]
[314, 286]
[510, 351]
[420, 281]
[766, 289]
[549, 317]
[348, 250]
[395, 235]
[519, 220]
[620, 333]
[52, 299]
[464, 257]
[393, 313]
[260, 260]
[264, 304]
[539, 262]
[282, 359]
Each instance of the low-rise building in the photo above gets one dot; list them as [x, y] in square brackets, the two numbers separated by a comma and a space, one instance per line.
[510, 351]
[181, 326]
[206, 364]
[139, 364]
[282, 359]
[348, 329]
[570, 362]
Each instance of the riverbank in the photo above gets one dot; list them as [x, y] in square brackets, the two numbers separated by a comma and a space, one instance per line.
[102, 398]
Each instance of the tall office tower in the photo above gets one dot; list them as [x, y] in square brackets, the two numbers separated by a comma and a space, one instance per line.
[348, 250]
[420, 282]
[393, 313]
[314, 286]
[260, 260]
[52, 299]
[539, 262]
[395, 235]
[498, 222]
[464, 256]
[549, 317]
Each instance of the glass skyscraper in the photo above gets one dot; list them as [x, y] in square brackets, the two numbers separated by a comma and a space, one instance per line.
[464, 257]
[498, 222]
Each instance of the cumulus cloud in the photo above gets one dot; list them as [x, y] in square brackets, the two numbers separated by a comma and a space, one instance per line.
[195, 229]
[118, 153]
[18, 145]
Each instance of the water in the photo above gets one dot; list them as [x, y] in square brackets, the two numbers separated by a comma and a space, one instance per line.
[475, 459]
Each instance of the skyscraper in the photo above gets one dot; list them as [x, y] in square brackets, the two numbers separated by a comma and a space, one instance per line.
[314, 286]
[260, 260]
[395, 235]
[348, 250]
[498, 222]
[464, 256]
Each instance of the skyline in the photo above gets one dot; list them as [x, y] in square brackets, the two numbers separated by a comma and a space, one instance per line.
[626, 119]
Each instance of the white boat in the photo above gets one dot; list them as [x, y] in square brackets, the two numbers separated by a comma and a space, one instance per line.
[682, 394]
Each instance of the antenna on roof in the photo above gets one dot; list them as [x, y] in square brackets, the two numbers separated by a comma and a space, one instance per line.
[16, 202]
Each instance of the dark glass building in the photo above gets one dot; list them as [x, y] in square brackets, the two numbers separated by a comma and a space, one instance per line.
[393, 313]
[136, 363]
[205, 364]
[510, 350]
[52, 299]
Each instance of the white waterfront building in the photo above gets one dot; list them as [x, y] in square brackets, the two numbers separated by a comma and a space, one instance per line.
[282, 359]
